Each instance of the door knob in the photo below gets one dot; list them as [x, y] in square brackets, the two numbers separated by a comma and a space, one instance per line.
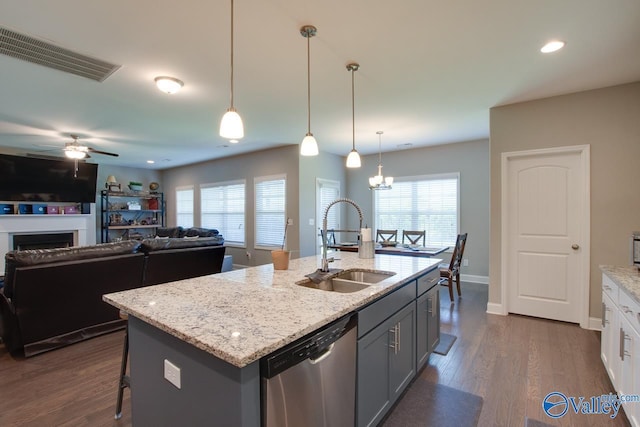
[575, 247]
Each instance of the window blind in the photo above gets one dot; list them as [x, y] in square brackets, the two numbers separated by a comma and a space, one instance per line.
[184, 207]
[222, 206]
[328, 191]
[270, 211]
[422, 203]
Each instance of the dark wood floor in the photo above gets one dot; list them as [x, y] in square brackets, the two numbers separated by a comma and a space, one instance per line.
[511, 361]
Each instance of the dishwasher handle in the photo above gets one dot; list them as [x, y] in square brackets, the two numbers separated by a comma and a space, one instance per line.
[323, 355]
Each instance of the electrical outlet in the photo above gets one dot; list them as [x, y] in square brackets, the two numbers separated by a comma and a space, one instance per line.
[248, 255]
[312, 221]
[172, 373]
[289, 221]
[465, 262]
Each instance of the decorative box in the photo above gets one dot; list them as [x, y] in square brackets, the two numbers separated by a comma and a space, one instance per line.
[70, 209]
[39, 209]
[6, 209]
[25, 209]
[53, 210]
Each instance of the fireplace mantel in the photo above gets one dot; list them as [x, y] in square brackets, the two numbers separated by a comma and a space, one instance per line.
[83, 227]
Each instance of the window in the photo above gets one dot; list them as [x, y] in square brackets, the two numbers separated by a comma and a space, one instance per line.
[326, 192]
[184, 206]
[270, 211]
[429, 203]
[222, 208]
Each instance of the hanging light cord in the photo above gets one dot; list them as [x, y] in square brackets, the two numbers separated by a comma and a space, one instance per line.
[379, 149]
[308, 85]
[231, 56]
[353, 110]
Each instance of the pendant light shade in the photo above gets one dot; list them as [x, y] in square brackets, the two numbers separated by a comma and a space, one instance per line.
[353, 159]
[379, 182]
[309, 146]
[231, 126]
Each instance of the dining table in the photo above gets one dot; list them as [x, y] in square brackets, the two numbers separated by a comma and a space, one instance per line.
[398, 249]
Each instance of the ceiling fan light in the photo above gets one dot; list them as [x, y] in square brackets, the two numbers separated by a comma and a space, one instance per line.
[353, 159]
[309, 146]
[168, 85]
[231, 126]
[75, 154]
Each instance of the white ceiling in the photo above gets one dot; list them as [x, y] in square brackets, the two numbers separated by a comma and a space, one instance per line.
[430, 70]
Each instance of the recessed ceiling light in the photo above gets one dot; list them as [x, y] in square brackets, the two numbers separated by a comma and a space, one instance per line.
[552, 46]
[151, 161]
[168, 84]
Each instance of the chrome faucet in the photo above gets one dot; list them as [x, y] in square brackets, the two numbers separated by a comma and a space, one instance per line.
[325, 261]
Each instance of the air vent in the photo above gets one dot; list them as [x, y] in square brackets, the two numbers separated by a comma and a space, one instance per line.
[30, 49]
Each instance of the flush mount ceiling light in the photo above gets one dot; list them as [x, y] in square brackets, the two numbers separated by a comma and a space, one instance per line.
[552, 46]
[353, 159]
[231, 126]
[309, 146]
[168, 84]
[379, 182]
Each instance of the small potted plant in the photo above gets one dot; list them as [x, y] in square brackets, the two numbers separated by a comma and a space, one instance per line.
[135, 186]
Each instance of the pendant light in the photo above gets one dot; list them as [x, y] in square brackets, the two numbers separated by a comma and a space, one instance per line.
[309, 146]
[379, 182]
[231, 125]
[353, 159]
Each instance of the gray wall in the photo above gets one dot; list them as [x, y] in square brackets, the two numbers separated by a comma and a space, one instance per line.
[283, 160]
[609, 121]
[470, 159]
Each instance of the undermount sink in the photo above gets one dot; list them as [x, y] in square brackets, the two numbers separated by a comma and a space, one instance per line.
[348, 281]
[362, 276]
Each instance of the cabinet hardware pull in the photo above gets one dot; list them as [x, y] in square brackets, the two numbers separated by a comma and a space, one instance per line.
[604, 314]
[395, 344]
[607, 287]
[398, 335]
[626, 309]
[621, 351]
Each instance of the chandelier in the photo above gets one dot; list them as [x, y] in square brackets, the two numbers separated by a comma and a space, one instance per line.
[379, 182]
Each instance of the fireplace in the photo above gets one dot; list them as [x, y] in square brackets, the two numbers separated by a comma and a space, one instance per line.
[42, 241]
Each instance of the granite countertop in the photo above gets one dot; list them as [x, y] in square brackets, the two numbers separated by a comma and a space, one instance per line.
[627, 279]
[241, 315]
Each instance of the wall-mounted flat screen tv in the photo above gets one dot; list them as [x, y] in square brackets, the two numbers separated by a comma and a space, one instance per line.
[44, 180]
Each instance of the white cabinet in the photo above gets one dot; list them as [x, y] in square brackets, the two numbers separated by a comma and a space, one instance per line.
[620, 344]
[629, 381]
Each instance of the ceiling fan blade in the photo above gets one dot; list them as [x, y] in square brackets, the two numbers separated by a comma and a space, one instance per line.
[92, 150]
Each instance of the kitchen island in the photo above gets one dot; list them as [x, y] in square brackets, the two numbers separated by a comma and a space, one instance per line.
[215, 329]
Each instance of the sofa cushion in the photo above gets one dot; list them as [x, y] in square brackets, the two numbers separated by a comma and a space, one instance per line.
[200, 232]
[169, 231]
[150, 245]
[29, 257]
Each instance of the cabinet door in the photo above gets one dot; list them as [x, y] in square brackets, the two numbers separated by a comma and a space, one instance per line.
[433, 335]
[402, 351]
[629, 380]
[610, 340]
[373, 374]
[422, 331]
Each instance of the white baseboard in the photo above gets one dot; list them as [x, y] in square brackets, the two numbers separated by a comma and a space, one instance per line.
[595, 323]
[474, 279]
[495, 308]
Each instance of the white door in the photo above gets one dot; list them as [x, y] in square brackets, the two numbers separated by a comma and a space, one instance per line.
[546, 202]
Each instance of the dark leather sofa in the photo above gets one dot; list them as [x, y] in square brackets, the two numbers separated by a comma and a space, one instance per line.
[53, 297]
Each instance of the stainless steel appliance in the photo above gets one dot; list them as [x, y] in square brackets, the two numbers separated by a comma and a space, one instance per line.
[311, 382]
[635, 248]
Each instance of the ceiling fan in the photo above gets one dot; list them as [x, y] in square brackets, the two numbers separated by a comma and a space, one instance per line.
[75, 150]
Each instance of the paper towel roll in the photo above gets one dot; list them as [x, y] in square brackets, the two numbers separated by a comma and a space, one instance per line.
[365, 234]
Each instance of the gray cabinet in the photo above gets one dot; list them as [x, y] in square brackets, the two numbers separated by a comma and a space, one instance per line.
[427, 325]
[386, 365]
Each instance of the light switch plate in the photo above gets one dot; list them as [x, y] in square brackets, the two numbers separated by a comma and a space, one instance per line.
[172, 373]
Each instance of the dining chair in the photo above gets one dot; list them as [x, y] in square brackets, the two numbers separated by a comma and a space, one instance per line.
[386, 236]
[450, 272]
[414, 237]
[331, 237]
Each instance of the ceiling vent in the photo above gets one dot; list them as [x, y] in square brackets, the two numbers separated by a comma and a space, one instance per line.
[40, 52]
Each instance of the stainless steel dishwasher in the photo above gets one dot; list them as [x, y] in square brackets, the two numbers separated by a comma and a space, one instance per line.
[312, 382]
